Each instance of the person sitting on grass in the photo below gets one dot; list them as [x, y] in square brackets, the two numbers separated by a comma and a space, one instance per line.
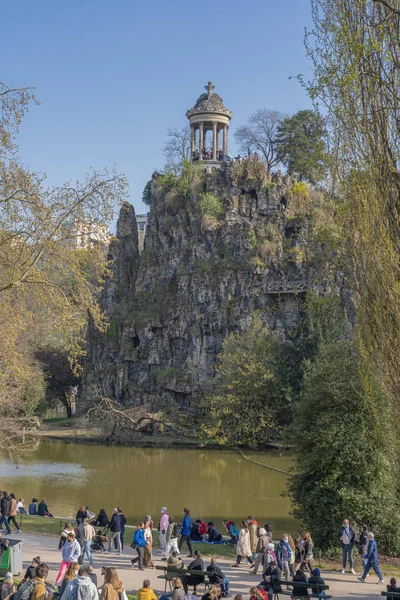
[32, 508]
[146, 593]
[316, 579]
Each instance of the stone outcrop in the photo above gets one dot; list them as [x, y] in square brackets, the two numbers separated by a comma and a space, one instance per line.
[219, 247]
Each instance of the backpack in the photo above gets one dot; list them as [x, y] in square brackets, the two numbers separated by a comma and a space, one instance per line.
[24, 592]
[80, 592]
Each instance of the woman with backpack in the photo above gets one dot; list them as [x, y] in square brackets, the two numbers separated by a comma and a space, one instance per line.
[67, 529]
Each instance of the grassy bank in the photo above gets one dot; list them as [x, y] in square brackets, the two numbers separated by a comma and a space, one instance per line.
[71, 430]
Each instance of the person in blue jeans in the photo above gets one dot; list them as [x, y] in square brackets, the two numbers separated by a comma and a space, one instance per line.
[217, 577]
[185, 532]
[139, 544]
[371, 559]
[347, 538]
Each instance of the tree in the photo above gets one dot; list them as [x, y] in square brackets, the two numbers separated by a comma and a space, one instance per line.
[354, 48]
[300, 145]
[47, 285]
[60, 377]
[258, 135]
[177, 147]
[242, 407]
[345, 466]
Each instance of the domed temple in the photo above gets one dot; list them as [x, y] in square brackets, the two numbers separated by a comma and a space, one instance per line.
[209, 116]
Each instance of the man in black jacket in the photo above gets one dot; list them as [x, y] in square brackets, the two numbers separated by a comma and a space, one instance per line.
[217, 577]
[5, 510]
[347, 538]
[122, 534]
[194, 580]
[115, 531]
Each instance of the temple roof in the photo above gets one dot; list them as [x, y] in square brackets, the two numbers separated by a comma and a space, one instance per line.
[209, 102]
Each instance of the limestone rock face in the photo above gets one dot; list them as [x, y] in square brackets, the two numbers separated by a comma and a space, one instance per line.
[215, 252]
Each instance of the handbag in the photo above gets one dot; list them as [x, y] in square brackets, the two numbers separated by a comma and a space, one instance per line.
[122, 595]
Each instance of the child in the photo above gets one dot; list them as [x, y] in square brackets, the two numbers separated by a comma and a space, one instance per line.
[317, 579]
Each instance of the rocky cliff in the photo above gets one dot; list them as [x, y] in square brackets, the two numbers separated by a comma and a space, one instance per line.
[219, 247]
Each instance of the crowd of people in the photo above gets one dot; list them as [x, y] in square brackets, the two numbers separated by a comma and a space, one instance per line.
[289, 560]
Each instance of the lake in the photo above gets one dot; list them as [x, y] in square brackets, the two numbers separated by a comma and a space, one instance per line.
[214, 484]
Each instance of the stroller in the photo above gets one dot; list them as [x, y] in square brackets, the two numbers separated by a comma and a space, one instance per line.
[231, 531]
[100, 540]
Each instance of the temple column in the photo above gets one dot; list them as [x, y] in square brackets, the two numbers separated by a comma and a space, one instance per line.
[225, 150]
[192, 139]
[201, 140]
[215, 140]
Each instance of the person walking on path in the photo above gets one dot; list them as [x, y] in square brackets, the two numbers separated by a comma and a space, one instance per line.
[5, 509]
[253, 529]
[284, 555]
[148, 549]
[13, 513]
[185, 532]
[164, 522]
[172, 537]
[347, 538]
[362, 543]
[115, 531]
[243, 547]
[261, 549]
[371, 559]
[70, 552]
[112, 588]
[88, 535]
[145, 592]
[139, 544]
[308, 551]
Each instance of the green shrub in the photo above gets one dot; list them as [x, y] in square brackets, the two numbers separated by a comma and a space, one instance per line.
[211, 206]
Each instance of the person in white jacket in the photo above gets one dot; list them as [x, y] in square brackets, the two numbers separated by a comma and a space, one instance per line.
[164, 522]
[83, 581]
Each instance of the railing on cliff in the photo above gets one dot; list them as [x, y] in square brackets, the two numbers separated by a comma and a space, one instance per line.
[280, 286]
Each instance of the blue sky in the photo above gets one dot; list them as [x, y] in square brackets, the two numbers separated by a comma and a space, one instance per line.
[113, 76]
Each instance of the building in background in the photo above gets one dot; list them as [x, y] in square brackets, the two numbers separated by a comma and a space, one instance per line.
[141, 225]
[84, 234]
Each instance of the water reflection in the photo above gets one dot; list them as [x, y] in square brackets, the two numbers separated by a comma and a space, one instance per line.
[214, 484]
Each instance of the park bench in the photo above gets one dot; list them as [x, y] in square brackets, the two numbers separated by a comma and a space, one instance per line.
[391, 595]
[306, 586]
[170, 572]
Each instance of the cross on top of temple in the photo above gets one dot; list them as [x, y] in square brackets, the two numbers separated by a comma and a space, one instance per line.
[209, 115]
